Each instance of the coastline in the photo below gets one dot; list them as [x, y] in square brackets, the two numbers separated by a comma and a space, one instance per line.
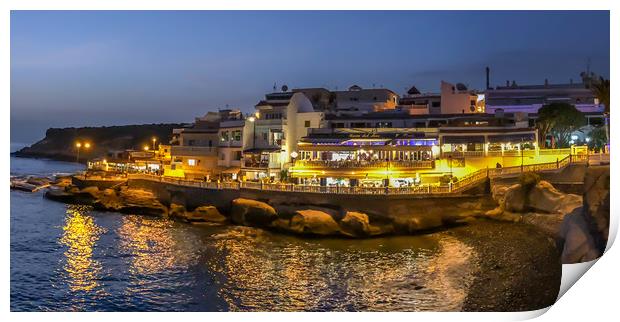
[520, 268]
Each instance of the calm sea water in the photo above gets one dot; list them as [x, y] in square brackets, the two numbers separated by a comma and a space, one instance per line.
[71, 258]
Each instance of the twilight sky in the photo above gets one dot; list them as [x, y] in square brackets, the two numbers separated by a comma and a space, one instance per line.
[72, 68]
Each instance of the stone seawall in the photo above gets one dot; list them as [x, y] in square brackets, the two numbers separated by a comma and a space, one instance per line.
[190, 197]
[392, 206]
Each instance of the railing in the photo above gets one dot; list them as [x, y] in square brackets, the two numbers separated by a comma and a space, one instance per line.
[506, 153]
[426, 189]
[192, 150]
[375, 164]
[255, 165]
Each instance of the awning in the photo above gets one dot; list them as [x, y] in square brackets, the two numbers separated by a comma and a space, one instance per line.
[513, 138]
[462, 139]
[230, 170]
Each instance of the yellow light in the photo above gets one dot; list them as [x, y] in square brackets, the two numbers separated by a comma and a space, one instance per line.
[87, 145]
[79, 145]
[251, 119]
[154, 139]
[146, 148]
[105, 161]
[257, 115]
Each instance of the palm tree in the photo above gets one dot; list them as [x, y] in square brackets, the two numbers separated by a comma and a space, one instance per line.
[601, 91]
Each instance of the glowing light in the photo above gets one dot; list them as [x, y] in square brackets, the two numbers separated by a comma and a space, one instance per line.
[78, 145]
[87, 145]
[294, 155]
[146, 148]
[251, 119]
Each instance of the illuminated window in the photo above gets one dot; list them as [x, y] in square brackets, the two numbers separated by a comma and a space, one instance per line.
[307, 123]
[191, 162]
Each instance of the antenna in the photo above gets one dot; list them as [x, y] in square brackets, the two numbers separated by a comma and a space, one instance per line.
[274, 86]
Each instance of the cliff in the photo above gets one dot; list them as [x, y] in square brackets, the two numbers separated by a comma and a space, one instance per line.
[59, 144]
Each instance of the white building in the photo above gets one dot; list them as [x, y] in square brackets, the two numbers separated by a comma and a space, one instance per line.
[280, 121]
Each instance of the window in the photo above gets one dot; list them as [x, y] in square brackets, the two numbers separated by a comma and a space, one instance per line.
[222, 156]
[436, 104]
[307, 123]
[190, 142]
[210, 143]
[264, 136]
[236, 135]
[191, 162]
[224, 136]
[237, 155]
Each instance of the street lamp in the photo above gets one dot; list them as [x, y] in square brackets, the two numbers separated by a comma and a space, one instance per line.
[154, 139]
[253, 120]
[78, 145]
[146, 148]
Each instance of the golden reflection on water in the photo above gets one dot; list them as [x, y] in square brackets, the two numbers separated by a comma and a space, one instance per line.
[154, 245]
[80, 235]
[262, 271]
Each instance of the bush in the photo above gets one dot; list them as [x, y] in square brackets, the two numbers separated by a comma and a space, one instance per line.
[445, 179]
[529, 179]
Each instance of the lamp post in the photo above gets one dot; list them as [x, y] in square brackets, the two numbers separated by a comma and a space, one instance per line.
[154, 139]
[253, 120]
[78, 145]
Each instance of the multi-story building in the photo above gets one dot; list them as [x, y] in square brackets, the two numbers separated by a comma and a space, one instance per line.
[234, 137]
[530, 98]
[395, 149]
[452, 99]
[357, 100]
[278, 124]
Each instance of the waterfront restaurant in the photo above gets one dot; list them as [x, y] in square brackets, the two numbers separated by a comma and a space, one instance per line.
[363, 157]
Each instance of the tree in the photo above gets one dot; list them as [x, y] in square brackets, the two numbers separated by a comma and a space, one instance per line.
[559, 120]
[600, 89]
[598, 138]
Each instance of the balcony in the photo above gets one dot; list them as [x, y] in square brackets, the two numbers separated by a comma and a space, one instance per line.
[344, 165]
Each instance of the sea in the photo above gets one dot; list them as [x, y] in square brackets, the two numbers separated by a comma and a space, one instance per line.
[73, 258]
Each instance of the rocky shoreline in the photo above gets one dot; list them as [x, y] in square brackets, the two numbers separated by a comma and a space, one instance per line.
[523, 274]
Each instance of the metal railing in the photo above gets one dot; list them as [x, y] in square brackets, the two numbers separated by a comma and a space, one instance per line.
[459, 186]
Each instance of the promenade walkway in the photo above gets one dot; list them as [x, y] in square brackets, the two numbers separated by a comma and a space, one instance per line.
[464, 183]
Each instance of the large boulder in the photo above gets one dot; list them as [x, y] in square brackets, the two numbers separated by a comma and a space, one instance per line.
[596, 201]
[579, 245]
[176, 211]
[143, 202]
[515, 199]
[205, 214]
[252, 213]
[545, 198]
[355, 224]
[313, 222]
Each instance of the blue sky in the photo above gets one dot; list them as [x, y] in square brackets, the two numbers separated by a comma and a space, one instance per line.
[88, 68]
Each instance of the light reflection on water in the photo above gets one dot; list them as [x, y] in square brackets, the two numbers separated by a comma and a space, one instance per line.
[66, 258]
[80, 235]
[117, 262]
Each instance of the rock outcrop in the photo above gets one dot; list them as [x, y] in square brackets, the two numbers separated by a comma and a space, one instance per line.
[313, 222]
[355, 224]
[252, 213]
[579, 224]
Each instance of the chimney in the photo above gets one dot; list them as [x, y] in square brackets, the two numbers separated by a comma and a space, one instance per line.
[488, 71]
